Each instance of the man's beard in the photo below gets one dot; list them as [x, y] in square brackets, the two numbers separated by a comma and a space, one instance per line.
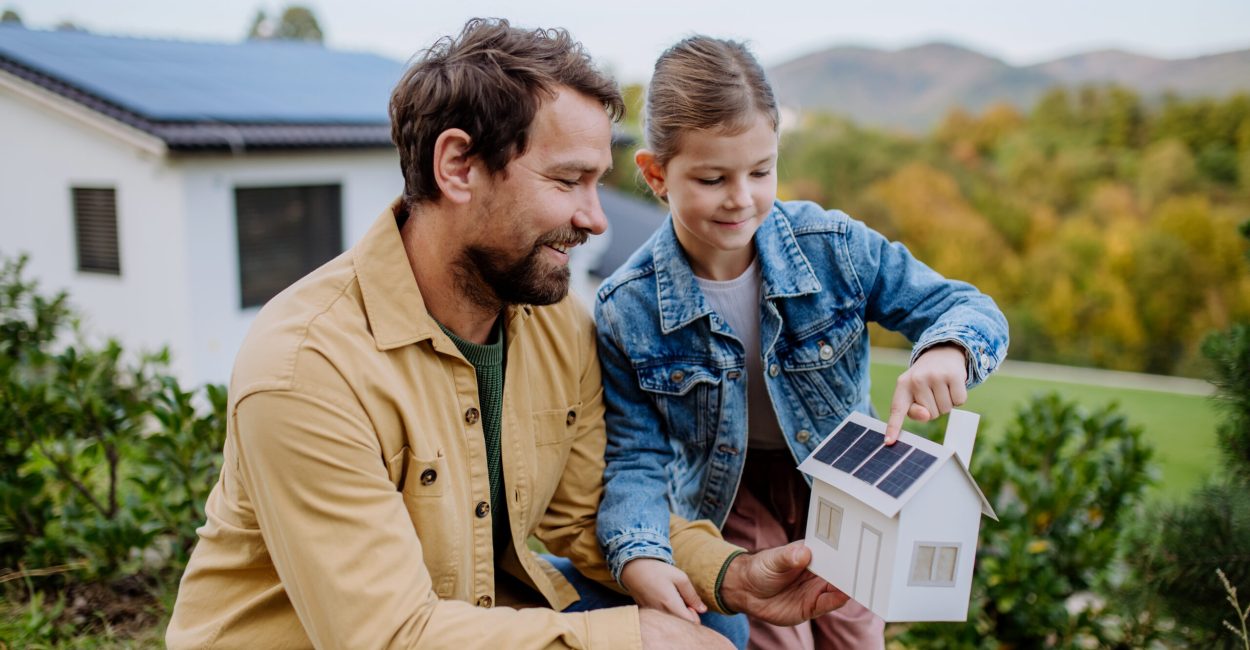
[489, 279]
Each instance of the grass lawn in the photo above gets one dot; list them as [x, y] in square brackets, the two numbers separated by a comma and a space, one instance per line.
[1180, 427]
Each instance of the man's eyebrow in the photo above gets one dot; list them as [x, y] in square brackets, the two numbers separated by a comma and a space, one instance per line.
[576, 168]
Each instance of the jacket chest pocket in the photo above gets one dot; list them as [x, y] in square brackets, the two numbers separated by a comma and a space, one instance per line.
[688, 396]
[823, 368]
[421, 483]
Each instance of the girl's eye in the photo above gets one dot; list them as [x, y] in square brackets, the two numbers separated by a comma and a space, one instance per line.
[709, 181]
[763, 173]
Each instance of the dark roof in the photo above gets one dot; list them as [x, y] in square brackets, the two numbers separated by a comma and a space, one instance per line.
[631, 220]
[197, 96]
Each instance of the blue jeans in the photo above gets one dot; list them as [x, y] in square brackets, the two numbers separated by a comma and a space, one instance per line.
[596, 596]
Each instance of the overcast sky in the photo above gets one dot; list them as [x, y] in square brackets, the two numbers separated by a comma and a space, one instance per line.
[627, 35]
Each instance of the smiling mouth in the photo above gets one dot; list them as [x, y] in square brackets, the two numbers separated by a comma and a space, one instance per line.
[561, 247]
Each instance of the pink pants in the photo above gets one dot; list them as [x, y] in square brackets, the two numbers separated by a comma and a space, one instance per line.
[771, 510]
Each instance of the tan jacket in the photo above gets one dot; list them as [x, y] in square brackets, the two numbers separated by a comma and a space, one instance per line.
[352, 509]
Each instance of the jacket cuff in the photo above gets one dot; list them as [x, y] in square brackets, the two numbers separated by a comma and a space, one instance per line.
[616, 627]
[699, 551]
[980, 358]
[630, 546]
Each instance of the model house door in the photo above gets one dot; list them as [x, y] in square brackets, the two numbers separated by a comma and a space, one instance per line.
[866, 565]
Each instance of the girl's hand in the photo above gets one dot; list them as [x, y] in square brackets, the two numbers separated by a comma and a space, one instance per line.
[656, 584]
[932, 386]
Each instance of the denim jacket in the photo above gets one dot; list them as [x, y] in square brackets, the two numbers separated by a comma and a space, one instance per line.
[674, 372]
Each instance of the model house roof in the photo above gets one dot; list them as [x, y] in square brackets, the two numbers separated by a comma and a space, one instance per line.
[253, 94]
[855, 459]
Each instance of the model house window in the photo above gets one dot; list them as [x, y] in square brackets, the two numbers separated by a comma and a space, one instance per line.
[284, 232]
[828, 523]
[95, 229]
[933, 565]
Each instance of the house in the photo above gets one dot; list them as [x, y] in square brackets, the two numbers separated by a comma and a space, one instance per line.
[896, 527]
[173, 187]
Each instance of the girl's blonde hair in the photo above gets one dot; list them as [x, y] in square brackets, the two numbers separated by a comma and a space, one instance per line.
[704, 84]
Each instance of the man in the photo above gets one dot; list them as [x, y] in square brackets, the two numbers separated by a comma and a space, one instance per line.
[404, 418]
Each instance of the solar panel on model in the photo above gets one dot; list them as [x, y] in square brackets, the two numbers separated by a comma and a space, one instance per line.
[859, 451]
[912, 467]
[839, 443]
[881, 462]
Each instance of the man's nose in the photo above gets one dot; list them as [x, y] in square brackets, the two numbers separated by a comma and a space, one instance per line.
[590, 216]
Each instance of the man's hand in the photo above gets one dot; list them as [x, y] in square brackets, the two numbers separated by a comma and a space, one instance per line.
[659, 585]
[661, 631]
[932, 386]
[775, 586]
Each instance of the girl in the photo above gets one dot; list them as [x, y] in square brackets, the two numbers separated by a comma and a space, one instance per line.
[735, 339]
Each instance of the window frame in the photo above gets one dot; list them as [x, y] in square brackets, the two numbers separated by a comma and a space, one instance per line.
[103, 246]
[934, 580]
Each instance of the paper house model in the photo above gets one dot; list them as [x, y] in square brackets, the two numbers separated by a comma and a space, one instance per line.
[896, 527]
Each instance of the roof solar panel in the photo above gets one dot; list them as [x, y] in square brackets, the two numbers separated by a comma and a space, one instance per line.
[912, 467]
[881, 462]
[862, 448]
[839, 443]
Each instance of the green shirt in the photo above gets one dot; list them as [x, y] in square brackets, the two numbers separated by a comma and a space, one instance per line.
[488, 364]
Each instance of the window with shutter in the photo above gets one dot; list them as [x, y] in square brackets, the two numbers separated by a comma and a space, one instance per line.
[284, 233]
[95, 229]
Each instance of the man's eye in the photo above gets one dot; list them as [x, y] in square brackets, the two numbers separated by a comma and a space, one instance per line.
[569, 183]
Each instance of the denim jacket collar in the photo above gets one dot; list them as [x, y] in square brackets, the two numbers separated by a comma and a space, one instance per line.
[680, 300]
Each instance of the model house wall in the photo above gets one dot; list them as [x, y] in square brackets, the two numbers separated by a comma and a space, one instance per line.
[906, 553]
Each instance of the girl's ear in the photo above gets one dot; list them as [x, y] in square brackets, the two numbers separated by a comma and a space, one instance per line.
[652, 172]
[453, 167]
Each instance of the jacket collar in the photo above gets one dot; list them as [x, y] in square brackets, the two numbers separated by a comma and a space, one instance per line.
[393, 303]
[786, 271]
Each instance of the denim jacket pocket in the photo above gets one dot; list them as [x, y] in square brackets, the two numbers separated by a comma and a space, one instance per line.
[688, 395]
[823, 367]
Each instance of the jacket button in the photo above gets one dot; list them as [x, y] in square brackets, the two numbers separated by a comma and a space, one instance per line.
[482, 509]
[471, 416]
[677, 375]
[803, 435]
[428, 477]
[570, 419]
[733, 374]
[485, 601]
[826, 351]
[774, 370]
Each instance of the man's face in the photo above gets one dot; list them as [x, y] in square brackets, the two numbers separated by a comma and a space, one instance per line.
[544, 203]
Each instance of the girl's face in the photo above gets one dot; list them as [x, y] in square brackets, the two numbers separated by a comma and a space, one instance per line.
[720, 188]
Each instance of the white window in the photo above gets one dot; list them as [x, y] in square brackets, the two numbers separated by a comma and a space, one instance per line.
[934, 565]
[828, 523]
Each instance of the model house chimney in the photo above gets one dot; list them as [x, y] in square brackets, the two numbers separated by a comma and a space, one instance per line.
[961, 434]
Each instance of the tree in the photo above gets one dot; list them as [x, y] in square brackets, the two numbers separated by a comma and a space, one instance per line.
[10, 16]
[298, 23]
[1182, 545]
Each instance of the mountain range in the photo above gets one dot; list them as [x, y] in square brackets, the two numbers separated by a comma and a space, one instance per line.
[913, 88]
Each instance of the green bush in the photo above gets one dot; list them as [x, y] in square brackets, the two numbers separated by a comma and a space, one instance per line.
[1063, 482]
[106, 460]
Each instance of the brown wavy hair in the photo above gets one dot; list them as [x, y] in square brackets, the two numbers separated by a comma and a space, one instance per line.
[488, 81]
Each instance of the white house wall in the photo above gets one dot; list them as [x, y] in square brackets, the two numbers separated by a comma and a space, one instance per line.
[370, 180]
[839, 566]
[947, 510]
[47, 147]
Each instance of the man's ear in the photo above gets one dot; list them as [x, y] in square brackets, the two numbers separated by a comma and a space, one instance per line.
[652, 172]
[454, 168]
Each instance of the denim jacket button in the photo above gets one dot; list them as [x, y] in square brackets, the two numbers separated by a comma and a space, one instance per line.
[774, 370]
[677, 375]
[733, 374]
[803, 436]
[826, 351]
